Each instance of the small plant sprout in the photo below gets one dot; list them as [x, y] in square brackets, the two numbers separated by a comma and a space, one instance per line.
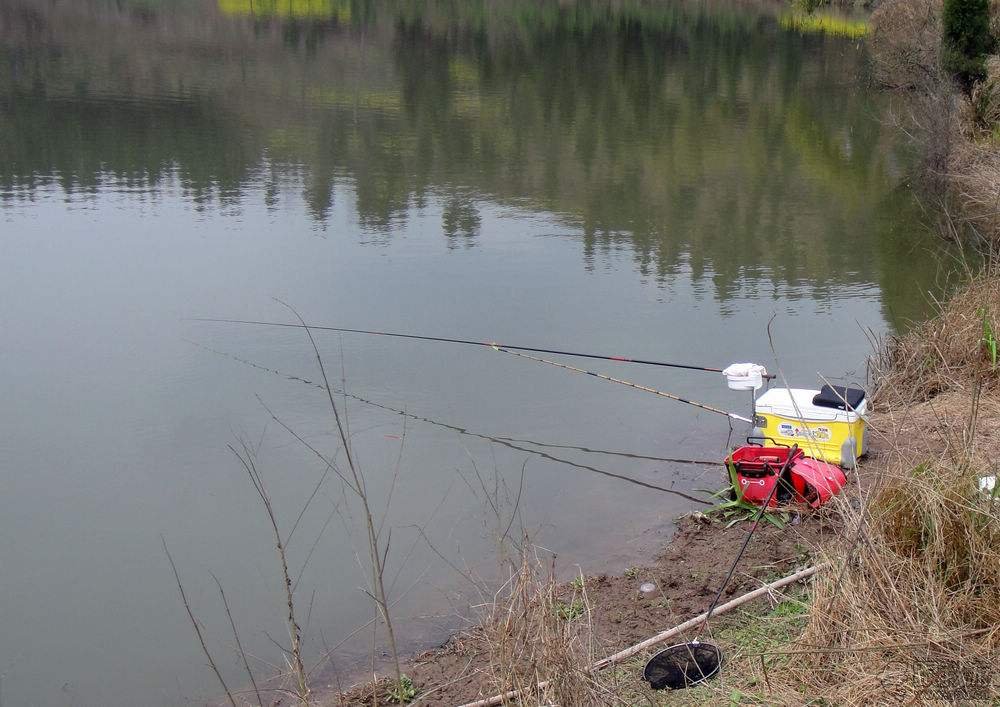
[733, 512]
[989, 339]
[568, 611]
[632, 573]
[403, 691]
[577, 583]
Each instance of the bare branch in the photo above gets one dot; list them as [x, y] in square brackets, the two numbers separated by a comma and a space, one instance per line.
[194, 622]
[236, 635]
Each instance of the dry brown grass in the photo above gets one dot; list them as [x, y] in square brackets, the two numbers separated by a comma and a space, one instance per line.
[974, 161]
[533, 633]
[905, 45]
[909, 614]
[905, 42]
[945, 353]
[974, 164]
[913, 611]
[976, 184]
[532, 636]
[986, 100]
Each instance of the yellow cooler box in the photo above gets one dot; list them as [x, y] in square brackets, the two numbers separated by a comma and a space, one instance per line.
[789, 416]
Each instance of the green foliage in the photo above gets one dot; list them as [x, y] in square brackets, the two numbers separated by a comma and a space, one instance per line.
[748, 640]
[567, 611]
[967, 40]
[753, 632]
[734, 481]
[824, 24]
[738, 510]
[989, 339]
[790, 607]
[632, 573]
[809, 6]
[402, 692]
[297, 9]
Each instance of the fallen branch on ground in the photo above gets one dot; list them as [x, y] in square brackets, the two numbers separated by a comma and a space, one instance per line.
[665, 635]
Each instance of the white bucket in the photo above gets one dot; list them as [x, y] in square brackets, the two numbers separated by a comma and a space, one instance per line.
[745, 376]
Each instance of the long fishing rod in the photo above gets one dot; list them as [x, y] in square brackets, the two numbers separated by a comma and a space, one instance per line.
[461, 430]
[468, 342]
[510, 442]
[630, 384]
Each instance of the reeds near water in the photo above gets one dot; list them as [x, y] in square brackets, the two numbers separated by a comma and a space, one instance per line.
[952, 351]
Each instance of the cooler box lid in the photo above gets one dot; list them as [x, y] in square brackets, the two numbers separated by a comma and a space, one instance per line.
[840, 397]
[797, 403]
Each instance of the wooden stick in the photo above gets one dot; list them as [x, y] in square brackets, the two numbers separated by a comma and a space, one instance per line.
[665, 635]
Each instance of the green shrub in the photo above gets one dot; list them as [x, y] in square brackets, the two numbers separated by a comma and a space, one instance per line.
[967, 40]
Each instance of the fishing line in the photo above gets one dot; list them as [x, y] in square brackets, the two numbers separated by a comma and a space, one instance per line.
[509, 442]
[629, 455]
[468, 342]
[630, 384]
[455, 428]
[756, 522]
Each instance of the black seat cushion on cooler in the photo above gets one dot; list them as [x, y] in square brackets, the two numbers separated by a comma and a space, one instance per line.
[833, 396]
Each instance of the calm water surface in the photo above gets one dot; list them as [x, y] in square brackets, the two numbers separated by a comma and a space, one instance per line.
[655, 179]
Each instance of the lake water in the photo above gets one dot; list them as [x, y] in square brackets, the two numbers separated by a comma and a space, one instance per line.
[654, 179]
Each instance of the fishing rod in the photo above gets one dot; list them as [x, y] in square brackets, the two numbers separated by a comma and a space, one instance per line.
[507, 441]
[630, 384]
[510, 442]
[468, 342]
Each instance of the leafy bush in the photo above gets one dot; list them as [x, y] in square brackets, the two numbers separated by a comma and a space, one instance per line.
[966, 40]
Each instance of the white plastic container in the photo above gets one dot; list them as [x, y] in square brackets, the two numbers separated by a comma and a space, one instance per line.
[745, 376]
[788, 416]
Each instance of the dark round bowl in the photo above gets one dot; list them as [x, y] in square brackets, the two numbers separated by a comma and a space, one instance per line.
[683, 665]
